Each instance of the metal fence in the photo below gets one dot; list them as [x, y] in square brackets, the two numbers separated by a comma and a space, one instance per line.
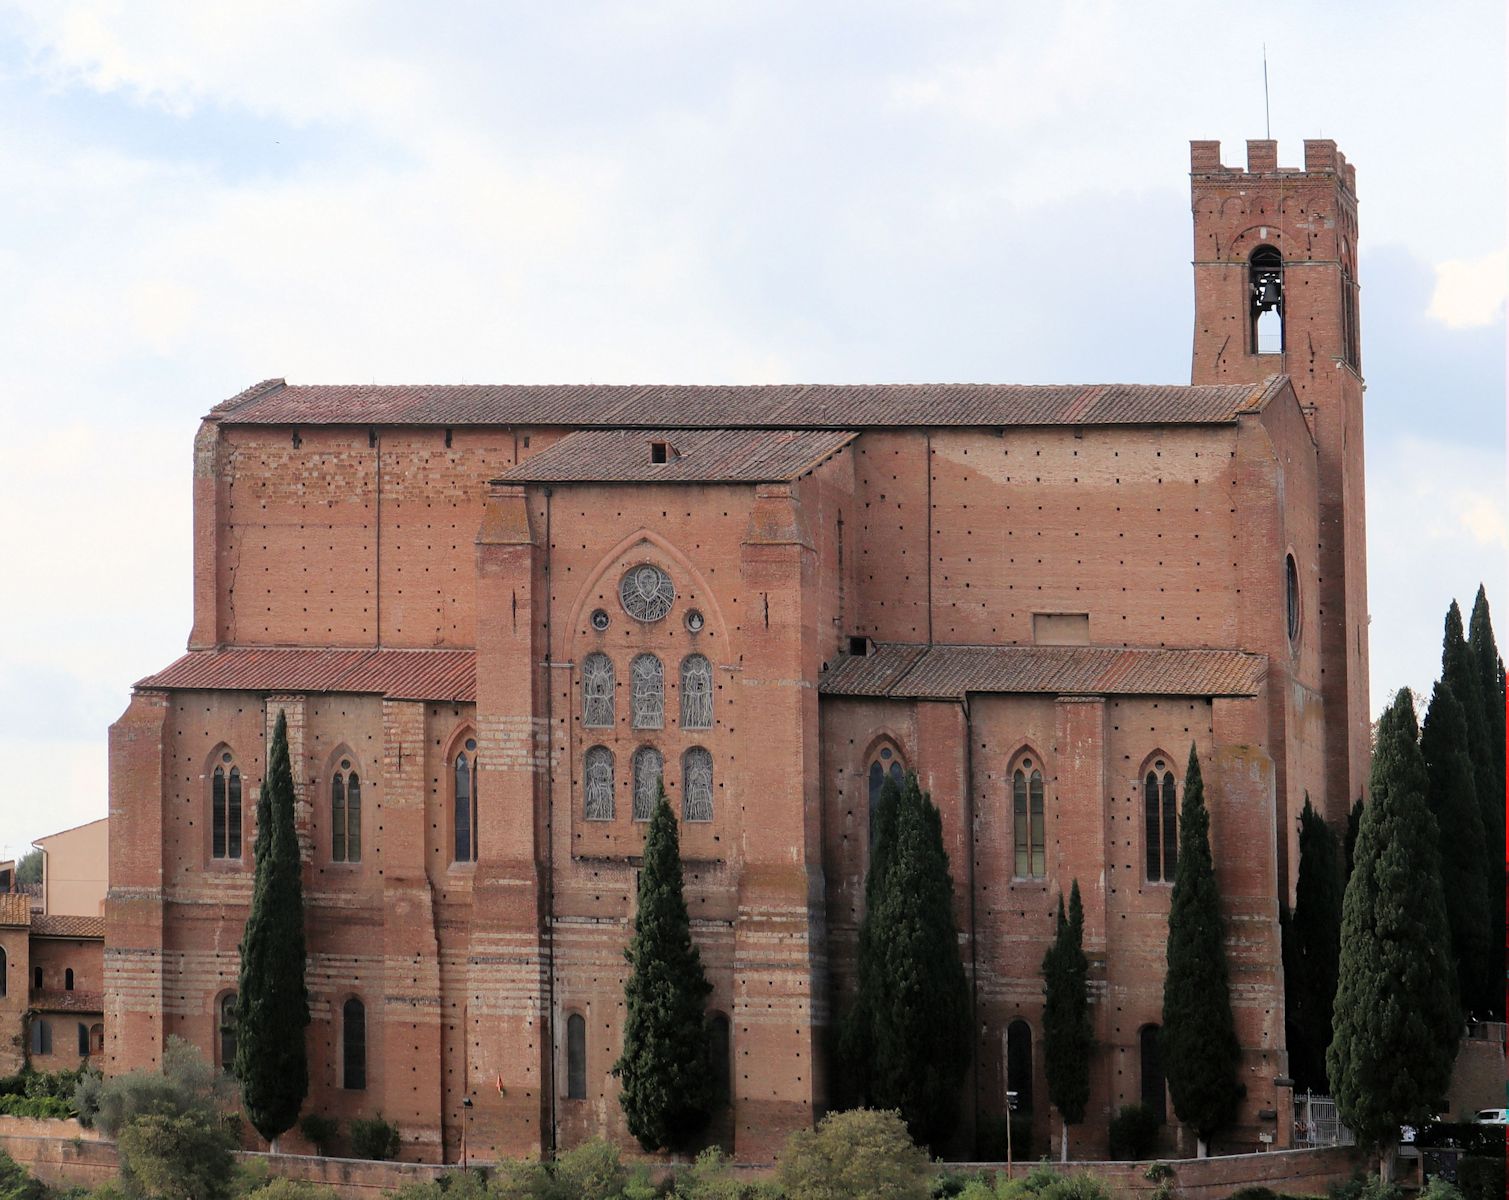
[1316, 1123]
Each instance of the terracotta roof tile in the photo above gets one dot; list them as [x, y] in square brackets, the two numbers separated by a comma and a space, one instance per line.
[693, 456]
[59, 1001]
[63, 925]
[15, 908]
[778, 406]
[941, 672]
[397, 674]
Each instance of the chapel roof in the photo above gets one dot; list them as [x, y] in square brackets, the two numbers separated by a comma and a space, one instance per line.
[449, 675]
[898, 670]
[773, 406]
[688, 456]
[67, 925]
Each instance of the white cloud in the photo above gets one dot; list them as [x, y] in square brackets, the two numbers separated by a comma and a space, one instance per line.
[1470, 292]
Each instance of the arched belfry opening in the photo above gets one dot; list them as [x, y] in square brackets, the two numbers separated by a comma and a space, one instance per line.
[1265, 288]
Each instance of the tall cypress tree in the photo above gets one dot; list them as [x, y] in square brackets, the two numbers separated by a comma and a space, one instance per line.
[1489, 998]
[917, 1011]
[272, 1001]
[1312, 949]
[1198, 1042]
[1396, 1017]
[1354, 823]
[1067, 1038]
[1454, 804]
[667, 1091]
[1460, 672]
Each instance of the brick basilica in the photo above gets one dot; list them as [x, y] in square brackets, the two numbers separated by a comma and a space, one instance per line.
[497, 617]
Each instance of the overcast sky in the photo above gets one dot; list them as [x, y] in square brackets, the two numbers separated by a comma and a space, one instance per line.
[195, 196]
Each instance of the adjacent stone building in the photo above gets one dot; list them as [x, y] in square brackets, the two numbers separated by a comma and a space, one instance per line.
[498, 617]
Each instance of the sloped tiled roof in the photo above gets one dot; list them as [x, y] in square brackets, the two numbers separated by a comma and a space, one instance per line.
[15, 908]
[62, 925]
[396, 674]
[695, 456]
[776, 406]
[942, 672]
[61, 1001]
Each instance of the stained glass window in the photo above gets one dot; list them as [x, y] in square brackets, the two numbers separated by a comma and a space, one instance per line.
[647, 679]
[597, 784]
[464, 808]
[1027, 821]
[649, 768]
[597, 691]
[225, 809]
[696, 692]
[646, 592]
[697, 785]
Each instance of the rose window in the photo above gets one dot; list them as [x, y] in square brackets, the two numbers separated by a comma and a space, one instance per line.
[647, 593]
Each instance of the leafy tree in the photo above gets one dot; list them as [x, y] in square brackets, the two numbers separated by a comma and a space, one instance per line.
[186, 1086]
[16, 1184]
[914, 999]
[375, 1138]
[29, 869]
[1460, 672]
[1067, 1038]
[1396, 1016]
[1489, 996]
[272, 1001]
[1312, 949]
[176, 1158]
[857, 1153]
[1198, 1040]
[667, 1091]
[1453, 802]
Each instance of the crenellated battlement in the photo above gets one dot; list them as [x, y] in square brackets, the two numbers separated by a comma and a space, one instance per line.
[1321, 156]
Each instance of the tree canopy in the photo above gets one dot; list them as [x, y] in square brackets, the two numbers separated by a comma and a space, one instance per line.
[1067, 1036]
[1312, 949]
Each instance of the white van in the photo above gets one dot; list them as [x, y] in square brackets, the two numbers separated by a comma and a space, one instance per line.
[1492, 1116]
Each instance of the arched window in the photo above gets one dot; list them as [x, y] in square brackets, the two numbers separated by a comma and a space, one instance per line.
[4, 972]
[41, 1036]
[697, 785]
[96, 1038]
[597, 784]
[353, 1045]
[1019, 1063]
[226, 1015]
[885, 765]
[1265, 276]
[68, 979]
[597, 692]
[649, 769]
[1161, 822]
[345, 814]
[647, 701]
[225, 808]
[1154, 1094]
[1027, 820]
[720, 1063]
[464, 802]
[576, 1057]
[696, 692]
[1291, 595]
[83, 1040]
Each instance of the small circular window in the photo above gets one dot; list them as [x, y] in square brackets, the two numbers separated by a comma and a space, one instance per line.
[646, 592]
[599, 619]
[1291, 595]
[694, 620]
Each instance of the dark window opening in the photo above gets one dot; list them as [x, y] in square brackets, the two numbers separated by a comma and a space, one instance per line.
[719, 1048]
[96, 1038]
[227, 1016]
[3, 971]
[346, 815]
[1154, 1094]
[1265, 273]
[887, 765]
[1161, 823]
[83, 1040]
[464, 811]
[576, 1057]
[1291, 595]
[36, 978]
[225, 809]
[68, 979]
[1029, 839]
[660, 452]
[41, 1037]
[354, 1045]
[1019, 1063]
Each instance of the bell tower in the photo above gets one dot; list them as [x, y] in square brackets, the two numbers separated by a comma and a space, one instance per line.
[1276, 293]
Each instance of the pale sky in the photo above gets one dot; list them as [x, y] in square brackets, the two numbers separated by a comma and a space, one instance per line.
[195, 196]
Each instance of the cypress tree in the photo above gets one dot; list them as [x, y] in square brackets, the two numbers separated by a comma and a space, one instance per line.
[1453, 802]
[1312, 950]
[1396, 1017]
[272, 1001]
[1354, 823]
[667, 1093]
[1460, 672]
[1198, 1042]
[1067, 1038]
[917, 1013]
[1489, 996]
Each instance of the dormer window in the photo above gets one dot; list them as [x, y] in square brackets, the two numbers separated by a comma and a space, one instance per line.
[662, 452]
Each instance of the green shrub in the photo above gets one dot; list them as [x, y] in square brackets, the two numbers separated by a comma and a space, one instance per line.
[856, 1153]
[640, 1185]
[1481, 1178]
[1038, 1180]
[978, 1188]
[1367, 1187]
[1134, 1132]
[1439, 1189]
[520, 1179]
[16, 1184]
[708, 1178]
[186, 1086]
[175, 1158]
[374, 1138]
[1079, 1186]
[278, 1188]
[319, 1130]
[86, 1096]
[590, 1171]
[35, 1106]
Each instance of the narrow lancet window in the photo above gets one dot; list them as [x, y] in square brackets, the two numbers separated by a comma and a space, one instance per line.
[697, 785]
[597, 784]
[597, 691]
[647, 678]
[696, 692]
[649, 769]
[464, 807]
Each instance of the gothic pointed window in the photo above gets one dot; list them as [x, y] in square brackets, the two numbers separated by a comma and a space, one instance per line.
[353, 1045]
[1028, 834]
[226, 1041]
[697, 785]
[647, 679]
[1160, 822]
[68, 980]
[1019, 1063]
[464, 803]
[885, 765]
[597, 784]
[597, 691]
[345, 814]
[649, 769]
[225, 809]
[696, 692]
[576, 1057]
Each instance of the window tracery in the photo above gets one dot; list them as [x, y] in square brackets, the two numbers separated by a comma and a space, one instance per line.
[649, 770]
[464, 806]
[885, 765]
[1027, 821]
[696, 692]
[647, 699]
[597, 691]
[1161, 822]
[697, 785]
[597, 784]
[225, 808]
[646, 592]
[345, 814]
